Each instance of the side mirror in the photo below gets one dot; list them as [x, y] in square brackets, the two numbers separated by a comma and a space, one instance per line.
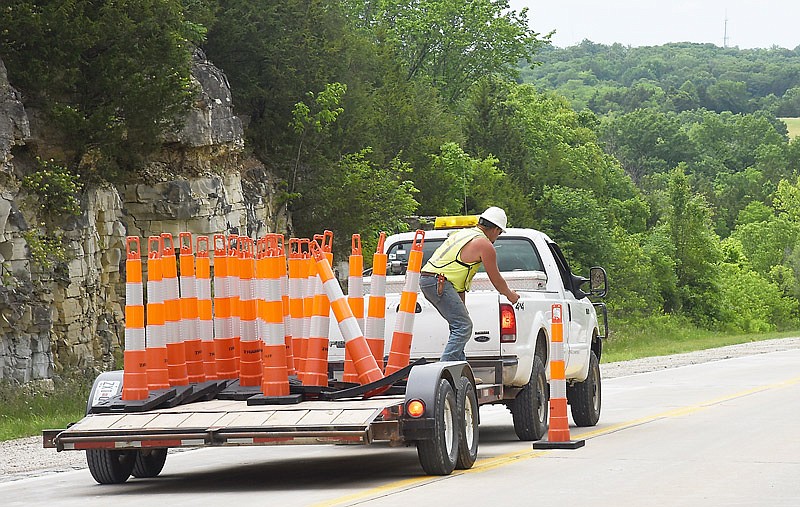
[598, 282]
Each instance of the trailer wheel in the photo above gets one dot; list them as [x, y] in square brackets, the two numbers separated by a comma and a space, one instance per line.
[585, 397]
[149, 463]
[467, 410]
[110, 467]
[529, 409]
[438, 455]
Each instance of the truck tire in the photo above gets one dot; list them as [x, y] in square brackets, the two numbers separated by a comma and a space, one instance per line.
[585, 397]
[438, 455]
[467, 410]
[529, 409]
[149, 463]
[110, 467]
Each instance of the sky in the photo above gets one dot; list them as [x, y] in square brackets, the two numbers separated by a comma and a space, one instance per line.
[750, 23]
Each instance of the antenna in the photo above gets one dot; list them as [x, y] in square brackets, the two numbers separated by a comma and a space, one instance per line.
[725, 33]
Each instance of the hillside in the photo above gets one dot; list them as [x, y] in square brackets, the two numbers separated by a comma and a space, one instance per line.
[677, 77]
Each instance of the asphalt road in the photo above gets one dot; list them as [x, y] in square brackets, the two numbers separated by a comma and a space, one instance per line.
[714, 434]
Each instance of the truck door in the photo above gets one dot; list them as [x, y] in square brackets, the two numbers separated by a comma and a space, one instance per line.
[578, 317]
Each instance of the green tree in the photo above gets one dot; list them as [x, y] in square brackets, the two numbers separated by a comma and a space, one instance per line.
[696, 250]
[358, 197]
[113, 76]
[646, 141]
[452, 42]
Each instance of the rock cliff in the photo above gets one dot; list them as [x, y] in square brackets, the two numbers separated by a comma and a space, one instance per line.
[69, 316]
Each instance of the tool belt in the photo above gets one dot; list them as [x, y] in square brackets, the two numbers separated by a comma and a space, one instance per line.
[440, 279]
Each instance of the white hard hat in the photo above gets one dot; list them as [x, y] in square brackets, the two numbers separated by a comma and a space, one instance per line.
[496, 216]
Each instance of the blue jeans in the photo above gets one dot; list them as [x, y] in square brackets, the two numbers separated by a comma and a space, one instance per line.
[454, 311]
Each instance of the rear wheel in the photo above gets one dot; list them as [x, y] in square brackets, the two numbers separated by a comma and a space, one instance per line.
[438, 455]
[149, 463]
[110, 467]
[529, 409]
[467, 410]
[585, 397]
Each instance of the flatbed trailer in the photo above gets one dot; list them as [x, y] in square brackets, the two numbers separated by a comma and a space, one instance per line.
[436, 409]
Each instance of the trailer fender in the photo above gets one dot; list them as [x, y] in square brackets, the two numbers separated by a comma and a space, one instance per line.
[106, 385]
[423, 383]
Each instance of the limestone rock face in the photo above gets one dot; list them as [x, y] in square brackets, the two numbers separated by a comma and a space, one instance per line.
[70, 317]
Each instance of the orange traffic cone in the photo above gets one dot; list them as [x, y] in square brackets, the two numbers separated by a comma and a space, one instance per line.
[205, 325]
[308, 268]
[400, 353]
[156, 352]
[376, 309]
[354, 341]
[250, 360]
[287, 319]
[134, 378]
[234, 275]
[355, 298]
[189, 311]
[176, 350]
[558, 431]
[296, 288]
[275, 374]
[316, 373]
[224, 348]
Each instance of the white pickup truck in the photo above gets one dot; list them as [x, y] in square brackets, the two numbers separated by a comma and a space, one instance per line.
[511, 343]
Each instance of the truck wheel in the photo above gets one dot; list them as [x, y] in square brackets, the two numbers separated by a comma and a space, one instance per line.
[467, 410]
[438, 455]
[149, 463]
[529, 410]
[110, 467]
[584, 397]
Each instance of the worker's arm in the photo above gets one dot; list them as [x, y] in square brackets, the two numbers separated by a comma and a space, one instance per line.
[489, 257]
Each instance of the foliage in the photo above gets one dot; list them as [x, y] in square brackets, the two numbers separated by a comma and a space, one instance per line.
[113, 77]
[696, 251]
[752, 303]
[672, 77]
[359, 197]
[660, 335]
[26, 411]
[55, 188]
[45, 249]
[451, 42]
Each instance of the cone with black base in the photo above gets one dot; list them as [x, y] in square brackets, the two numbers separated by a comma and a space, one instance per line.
[558, 431]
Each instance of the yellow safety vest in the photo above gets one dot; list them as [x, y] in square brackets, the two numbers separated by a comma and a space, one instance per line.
[446, 260]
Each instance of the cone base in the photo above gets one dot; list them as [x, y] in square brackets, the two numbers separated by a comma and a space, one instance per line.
[569, 444]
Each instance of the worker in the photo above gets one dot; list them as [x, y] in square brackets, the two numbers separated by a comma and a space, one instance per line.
[447, 276]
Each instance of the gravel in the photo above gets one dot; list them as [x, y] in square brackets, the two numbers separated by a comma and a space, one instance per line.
[25, 457]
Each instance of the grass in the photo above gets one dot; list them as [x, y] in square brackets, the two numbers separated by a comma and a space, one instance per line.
[793, 124]
[661, 336]
[26, 410]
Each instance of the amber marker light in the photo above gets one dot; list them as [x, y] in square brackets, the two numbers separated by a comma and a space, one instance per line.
[415, 408]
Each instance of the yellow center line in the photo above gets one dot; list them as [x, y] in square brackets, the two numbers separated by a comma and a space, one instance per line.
[486, 464]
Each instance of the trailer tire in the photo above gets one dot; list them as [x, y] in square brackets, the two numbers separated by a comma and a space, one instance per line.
[110, 467]
[585, 397]
[467, 410]
[438, 455]
[529, 409]
[149, 463]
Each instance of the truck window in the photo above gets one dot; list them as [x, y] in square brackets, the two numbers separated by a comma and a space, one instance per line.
[513, 254]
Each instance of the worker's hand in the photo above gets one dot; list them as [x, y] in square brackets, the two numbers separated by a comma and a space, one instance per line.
[513, 297]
